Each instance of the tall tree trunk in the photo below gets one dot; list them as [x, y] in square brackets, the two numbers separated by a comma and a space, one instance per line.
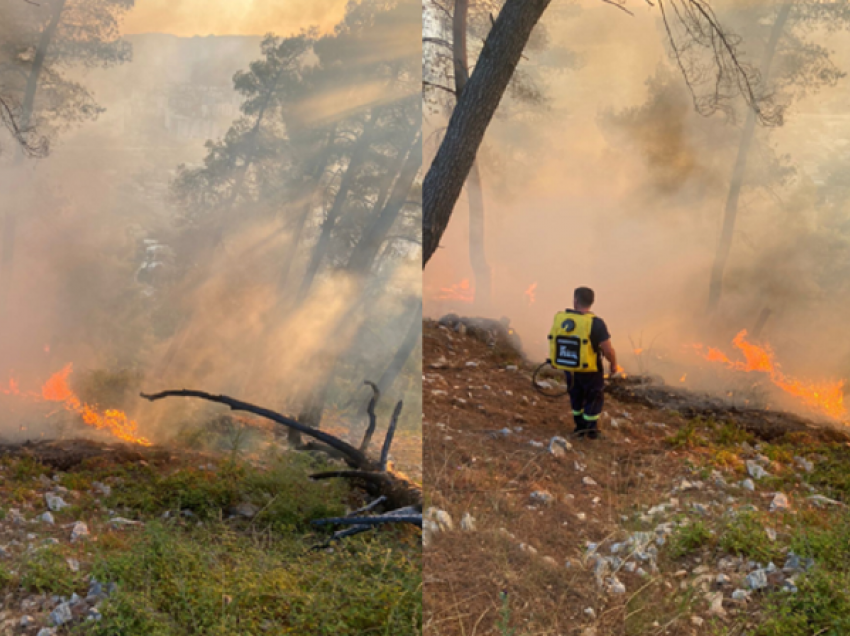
[475, 194]
[358, 158]
[375, 234]
[10, 217]
[724, 246]
[470, 118]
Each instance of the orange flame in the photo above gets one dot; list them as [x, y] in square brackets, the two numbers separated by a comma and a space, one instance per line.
[461, 291]
[530, 293]
[683, 378]
[826, 397]
[56, 389]
[638, 351]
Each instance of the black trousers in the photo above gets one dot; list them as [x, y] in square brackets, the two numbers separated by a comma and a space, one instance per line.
[587, 397]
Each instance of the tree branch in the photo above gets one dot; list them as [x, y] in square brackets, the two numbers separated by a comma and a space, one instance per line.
[355, 458]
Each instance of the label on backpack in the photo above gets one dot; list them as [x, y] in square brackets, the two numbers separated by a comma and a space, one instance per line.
[569, 343]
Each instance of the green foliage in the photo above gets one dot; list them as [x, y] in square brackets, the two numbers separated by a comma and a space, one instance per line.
[686, 437]
[744, 535]
[47, 572]
[731, 434]
[689, 538]
[833, 473]
[211, 581]
[504, 622]
[821, 606]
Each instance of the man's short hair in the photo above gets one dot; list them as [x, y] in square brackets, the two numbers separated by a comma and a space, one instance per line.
[584, 296]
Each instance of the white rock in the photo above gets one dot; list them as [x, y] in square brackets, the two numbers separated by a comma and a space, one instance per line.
[715, 602]
[543, 496]
[755, 470]
[54, 502]
[79, 531]
[558, 446]
[467, 522]
[780, 502]
[47, 517]
[588, 481]
[757, 580]
[748, 485]
[441, 518]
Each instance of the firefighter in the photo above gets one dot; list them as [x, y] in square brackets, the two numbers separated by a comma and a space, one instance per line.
[579, 340]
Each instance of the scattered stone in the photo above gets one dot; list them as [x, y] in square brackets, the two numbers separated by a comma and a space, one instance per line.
[550, 561]
[686, 485]
[558, 446]
[539, 445]
[696, 620]
[441, 518]
[588, 481]
[54, 502]
[700, 509]
[26, 621]
[780, 502]
[771, 567]
[805, 464]
[748, 485]
[47, 517]
[789, 586]
[771, 533]
[590, 612]
[61, 615]
[103, 489]
[94, 614]
[79, 531]
[581, 516]
[715, 602]
[757, 580]
[722, 579]
[616, 586]
[511, 367]
[630, 566]
[46, 631]
[819, 500]
[739, 595]
[118, 522]
[527, 548]
[755, 470]
[244, 509]
[467, 522]
[471, 364]
[543, 496]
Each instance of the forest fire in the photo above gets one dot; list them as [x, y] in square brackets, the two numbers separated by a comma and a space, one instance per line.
[530, 293]
[825, 397]
[57, 389]
[461, 291]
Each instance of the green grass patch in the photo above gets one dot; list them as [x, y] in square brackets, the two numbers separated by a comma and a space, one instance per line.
[744, 535]
[214, 581]
[687, 539]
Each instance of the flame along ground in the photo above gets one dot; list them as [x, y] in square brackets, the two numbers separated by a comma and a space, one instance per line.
[462, 291]
[825, 397]
[57, 389]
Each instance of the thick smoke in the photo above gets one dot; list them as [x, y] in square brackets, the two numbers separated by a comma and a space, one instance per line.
[619, 185]
[107, 278]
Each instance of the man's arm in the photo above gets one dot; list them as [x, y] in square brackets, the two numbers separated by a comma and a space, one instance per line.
[610, 355]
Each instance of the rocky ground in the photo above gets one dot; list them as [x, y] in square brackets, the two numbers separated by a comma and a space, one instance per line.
[103, 538]
[667, 525]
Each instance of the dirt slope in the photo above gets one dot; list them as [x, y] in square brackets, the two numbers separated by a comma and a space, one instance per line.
[557, 546]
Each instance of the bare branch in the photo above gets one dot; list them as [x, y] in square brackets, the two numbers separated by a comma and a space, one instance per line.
[367, 437]
[440, 86]
[354, 457]
[388, 440]
[619, 6]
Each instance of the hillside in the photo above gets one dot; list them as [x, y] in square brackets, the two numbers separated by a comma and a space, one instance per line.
[191, 538]
[667, 525]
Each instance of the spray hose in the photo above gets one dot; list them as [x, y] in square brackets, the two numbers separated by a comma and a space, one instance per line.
[545, 389]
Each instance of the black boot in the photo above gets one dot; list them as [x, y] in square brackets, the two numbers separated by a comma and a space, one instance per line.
[581, 425]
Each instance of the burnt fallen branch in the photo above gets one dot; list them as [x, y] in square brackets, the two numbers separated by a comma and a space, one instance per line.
[400, 496]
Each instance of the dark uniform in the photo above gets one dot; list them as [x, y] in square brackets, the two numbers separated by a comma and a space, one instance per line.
[587, 390]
